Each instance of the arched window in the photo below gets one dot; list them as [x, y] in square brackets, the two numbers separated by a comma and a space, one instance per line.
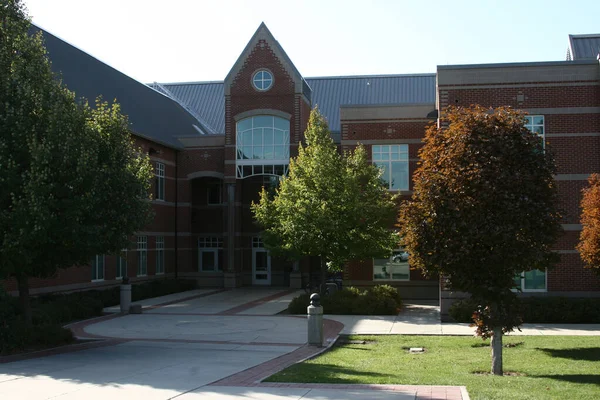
[263, 146]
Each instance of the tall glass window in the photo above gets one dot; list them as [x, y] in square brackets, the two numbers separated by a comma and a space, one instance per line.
[122, 265]
[263, 146]
[142, 255]
[98, 268]
[393, 160]
[160, 255]
[159, 181]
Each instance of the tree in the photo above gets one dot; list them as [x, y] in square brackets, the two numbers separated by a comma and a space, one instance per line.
[589, 241]
[483, 211]
[331, 206]
[72, 183]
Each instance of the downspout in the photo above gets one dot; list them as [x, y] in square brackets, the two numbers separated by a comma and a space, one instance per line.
[176, 212]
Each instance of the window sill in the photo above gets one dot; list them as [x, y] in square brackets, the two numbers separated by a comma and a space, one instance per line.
[390, 280]
[159, 273]
[97, 280]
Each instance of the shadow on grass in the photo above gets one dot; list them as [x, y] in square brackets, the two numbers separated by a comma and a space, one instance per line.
[329, 373]
[582, 354]
[584, 379]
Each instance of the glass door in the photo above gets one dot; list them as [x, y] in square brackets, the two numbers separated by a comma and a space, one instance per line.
[261, 267]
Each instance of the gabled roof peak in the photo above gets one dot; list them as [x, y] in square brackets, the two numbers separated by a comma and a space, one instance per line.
[263, 33]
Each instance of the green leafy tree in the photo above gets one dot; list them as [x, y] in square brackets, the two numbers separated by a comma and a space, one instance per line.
[331, 206]
[589, 241]
[72, 183]
[483, 210]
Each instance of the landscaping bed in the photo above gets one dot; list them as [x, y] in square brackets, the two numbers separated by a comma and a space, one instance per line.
[557, 310]
[377, 300]
[536, 367]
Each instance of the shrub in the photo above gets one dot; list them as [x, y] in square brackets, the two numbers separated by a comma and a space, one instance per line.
[15, 335]
[542, 310]
[378, 300]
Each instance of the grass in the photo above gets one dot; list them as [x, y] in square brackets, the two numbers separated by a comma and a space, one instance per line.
[541, 367]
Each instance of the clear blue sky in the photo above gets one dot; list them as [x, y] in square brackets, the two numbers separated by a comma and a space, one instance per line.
[199, 40]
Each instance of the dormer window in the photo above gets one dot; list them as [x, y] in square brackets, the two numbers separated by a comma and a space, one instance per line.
[262, 80]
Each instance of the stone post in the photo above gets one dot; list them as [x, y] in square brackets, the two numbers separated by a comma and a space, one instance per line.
[125, 296]
[315, 321]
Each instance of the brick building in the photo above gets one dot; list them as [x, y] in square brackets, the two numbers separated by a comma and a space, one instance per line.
[214, 144]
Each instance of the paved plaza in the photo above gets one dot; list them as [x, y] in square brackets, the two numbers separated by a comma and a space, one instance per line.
[217, 344]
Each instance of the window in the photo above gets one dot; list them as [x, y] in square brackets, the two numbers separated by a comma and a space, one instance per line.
[142, 255]
[531, 281]
[262, 80]
[393, 161]
[210, 254]
[393, 268]
[159, 185]
[98, 268]
[535, 123]
[122, 265]
[213, 193]
[257, 242]
[263, 146]
[160, 255]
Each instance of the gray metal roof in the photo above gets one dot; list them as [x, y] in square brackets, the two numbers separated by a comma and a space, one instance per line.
[207, 100]
[151, 114]
[584, 46]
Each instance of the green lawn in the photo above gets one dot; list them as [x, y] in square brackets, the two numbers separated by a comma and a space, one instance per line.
[543, 367]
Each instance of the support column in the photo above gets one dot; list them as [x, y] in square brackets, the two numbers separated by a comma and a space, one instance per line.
[231, 276]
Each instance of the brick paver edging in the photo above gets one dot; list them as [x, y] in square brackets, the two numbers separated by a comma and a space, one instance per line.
[255, 303]
[197, 296]
[423, 392]
[254, 375]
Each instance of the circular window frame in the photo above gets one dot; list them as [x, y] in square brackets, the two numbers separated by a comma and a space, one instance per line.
[254, 75]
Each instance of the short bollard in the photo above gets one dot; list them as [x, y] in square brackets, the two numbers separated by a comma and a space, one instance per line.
[125, 296]
[315, 321]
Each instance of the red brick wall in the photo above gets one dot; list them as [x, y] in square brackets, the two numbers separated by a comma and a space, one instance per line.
[535, 97]
[574, 154]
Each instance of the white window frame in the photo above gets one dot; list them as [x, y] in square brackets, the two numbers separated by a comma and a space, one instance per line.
[382, 157]
[95, 268]
[159, 173]
[142, 256]
[121, 259]
[396, 253]
[209, 245]
[262, 83]
[532, 122]
[160, 255]
[525, 290]
[246, 164]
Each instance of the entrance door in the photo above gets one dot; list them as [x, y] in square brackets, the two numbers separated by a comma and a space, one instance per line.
[261, 267]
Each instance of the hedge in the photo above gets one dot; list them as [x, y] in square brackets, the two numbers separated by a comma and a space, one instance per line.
[378, 300]
[566, 310]
[51, 311]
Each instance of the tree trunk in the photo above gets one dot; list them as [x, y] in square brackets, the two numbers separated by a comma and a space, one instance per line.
[322, 285]
[497, 352]
[23, 285]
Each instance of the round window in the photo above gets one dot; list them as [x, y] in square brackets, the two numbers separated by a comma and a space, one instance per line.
[262, 80]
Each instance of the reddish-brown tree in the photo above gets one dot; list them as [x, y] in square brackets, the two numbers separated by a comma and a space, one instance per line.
[589, 241]
[483, 210]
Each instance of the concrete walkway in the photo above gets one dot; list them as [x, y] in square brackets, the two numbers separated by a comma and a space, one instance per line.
[215, 344]
[424, 319]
